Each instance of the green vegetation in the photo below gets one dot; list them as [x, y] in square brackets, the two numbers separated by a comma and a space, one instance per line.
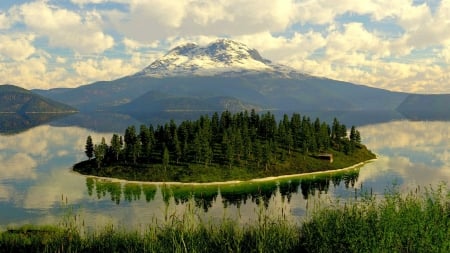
[14, 99]
[415, 222]
[238, 146]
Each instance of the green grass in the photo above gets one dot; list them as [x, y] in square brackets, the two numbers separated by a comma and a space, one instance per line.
[415, 222]
[296, 163]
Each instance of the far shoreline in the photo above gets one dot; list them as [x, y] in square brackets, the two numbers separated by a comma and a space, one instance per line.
[264, 179]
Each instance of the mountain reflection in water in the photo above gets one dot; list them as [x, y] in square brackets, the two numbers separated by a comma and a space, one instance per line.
[204, 196]
[13, 123]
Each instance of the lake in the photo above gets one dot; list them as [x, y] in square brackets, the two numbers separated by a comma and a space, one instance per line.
[37, 185]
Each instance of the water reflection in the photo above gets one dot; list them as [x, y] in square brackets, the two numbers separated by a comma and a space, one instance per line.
[13, 123]
[117, 122]
[204, 196]
[35, 176]
[411, 153]
[98, 121]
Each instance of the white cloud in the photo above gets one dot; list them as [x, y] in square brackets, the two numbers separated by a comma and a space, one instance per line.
[17, 47]
[5, 22]
[401, 45]
[278, 48]
[65, 28]
[355, 38]
[158, 19]
[83, 2]
[103, 69]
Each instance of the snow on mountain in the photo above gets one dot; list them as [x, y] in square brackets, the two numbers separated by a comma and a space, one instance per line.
[221, 58]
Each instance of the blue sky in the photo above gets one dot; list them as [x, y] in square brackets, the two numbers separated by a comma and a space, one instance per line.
[400, 45]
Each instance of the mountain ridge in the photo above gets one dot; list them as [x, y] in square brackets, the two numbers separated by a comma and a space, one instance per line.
[223, 57]
[202, 77]
[14, 99]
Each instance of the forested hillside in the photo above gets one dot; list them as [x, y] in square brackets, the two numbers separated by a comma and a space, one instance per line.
[14, 99]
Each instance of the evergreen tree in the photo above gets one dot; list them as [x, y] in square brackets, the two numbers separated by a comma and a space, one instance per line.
[177, 148]
[146, 142]
[238, 144]
[355, 136]
[358, 137]
[227, 148]
[267, 154]
[100, 152]
[165, 158]
[215, 127]
[296, 128]
[89, 148]
[240, 138]
[116, 146]
[131, 143]
[335, 129]
[324, 137]
[258, 152]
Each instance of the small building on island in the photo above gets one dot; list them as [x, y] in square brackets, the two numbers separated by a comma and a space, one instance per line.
[326, 157]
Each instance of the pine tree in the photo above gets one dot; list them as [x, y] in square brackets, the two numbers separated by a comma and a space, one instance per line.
[227, 148]
[177, 148]
[89, 151]
[146, 142]
[267, 154]
[100, 152]
[358, 137]
[131, 143]
[165, 158]
[116, 146]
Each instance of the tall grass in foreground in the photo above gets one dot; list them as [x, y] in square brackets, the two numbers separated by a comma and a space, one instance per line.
[185, 233]
[414, 222]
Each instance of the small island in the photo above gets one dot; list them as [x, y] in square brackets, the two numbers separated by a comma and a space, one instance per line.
[225, 147]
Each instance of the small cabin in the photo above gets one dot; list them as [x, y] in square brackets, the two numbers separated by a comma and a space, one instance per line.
[326, 157]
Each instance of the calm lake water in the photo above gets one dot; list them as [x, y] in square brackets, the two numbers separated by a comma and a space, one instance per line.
[37, 185]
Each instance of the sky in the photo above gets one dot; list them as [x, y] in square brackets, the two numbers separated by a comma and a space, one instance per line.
[399, 45]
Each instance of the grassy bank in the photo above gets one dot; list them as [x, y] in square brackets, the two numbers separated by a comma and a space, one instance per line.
[296, 163]
[415, 222]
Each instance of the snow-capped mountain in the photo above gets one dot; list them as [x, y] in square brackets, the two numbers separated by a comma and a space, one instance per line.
[223, 75]
[220, 58]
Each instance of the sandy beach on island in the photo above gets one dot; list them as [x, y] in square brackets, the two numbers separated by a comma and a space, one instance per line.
[264, 179]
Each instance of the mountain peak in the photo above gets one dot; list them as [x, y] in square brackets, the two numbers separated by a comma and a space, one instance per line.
[223, 57]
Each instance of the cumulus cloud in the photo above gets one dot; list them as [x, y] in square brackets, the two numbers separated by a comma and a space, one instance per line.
[83, 2]
[5, 22]
[65, 28]
[190, 18]
[278, 48]
[104, 69]
[399, 45]
[17, 47]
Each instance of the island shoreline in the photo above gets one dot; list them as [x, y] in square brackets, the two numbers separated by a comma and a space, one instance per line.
[255, 180]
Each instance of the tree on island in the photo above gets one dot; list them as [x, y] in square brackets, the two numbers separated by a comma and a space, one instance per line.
[89, 148]
[254, 141]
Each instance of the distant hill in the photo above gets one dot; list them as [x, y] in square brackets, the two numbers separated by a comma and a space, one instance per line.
[433, 106]
[224, 74]
[17, 100]
[155, 101]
